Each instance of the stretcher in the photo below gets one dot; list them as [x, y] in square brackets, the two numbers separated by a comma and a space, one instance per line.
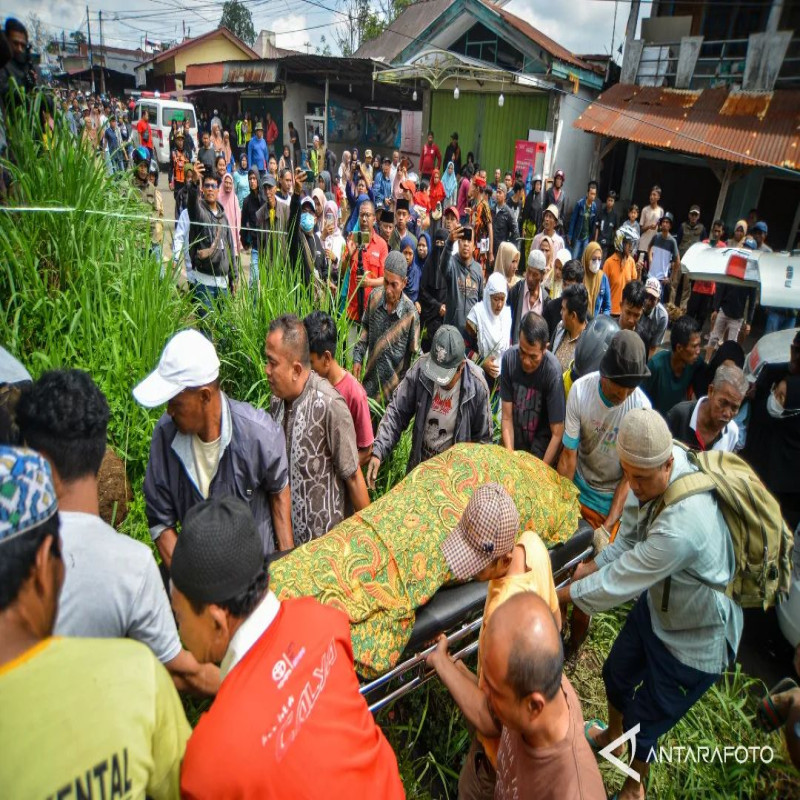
[457, 612]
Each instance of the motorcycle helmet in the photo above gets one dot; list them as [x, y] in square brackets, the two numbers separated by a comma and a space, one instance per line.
[153, 168]
[140, 154]
[592, 345]
[625, 233]
[668, 215]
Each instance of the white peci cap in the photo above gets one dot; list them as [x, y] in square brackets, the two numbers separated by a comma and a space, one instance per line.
[188, 361]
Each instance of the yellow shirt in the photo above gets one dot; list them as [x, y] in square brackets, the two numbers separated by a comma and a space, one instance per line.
[91, 718]
[538, 579]
[206, 461]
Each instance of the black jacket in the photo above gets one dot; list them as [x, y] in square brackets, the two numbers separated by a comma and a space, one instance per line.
[733, 299]
[250, 207]
[505, 226]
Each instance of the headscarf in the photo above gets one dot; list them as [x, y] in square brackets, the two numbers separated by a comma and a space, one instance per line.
[494, 330]
[334, 241]
[216, 139]
[415, 270]
[449, 181]
[551, 256]
[326, 177]
[226, 147]
[230, 203]
[436, 191]
[413, 273]
[503, 259]
[593, 281]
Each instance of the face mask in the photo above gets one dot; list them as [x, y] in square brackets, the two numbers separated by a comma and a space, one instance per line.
[306, 222]
[774, 408]
[594, 265]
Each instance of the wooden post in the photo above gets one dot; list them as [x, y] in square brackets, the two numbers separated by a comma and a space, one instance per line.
[325, 124]
[725, 184]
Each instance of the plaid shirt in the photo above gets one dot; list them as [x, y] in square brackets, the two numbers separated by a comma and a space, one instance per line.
[392, 341]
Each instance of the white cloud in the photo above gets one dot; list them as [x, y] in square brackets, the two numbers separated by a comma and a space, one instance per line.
[291, 34]
[582, 27]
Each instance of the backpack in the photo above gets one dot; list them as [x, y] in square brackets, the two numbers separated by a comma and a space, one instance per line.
[762, 541]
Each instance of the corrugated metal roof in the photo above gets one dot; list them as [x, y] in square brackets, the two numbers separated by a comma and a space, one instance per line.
[413, 20]
[743, 127]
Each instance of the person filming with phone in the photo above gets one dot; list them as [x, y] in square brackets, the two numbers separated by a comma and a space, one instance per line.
[366, 253]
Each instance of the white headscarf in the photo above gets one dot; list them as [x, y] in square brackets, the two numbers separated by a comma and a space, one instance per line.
[494, 330]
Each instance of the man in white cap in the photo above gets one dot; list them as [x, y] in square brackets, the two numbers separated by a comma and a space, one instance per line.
[549, 221]
[652, 324]
[530, 294]
[683, 630]
[208, 445]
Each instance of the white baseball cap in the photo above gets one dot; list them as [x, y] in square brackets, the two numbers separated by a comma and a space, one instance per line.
[188, 361]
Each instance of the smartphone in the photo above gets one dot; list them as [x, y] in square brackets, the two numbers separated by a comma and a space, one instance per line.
[466, 233]
[361, 238]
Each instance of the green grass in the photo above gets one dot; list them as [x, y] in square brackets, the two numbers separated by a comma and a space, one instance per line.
[79, 290]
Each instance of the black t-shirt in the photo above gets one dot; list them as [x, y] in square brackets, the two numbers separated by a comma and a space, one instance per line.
[537, 398]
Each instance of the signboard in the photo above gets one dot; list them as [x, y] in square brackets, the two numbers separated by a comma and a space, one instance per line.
[344, 123]
[529, 158]
[382, 128]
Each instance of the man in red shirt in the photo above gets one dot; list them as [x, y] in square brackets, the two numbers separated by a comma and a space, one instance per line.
[272, 134]
[431, 158]
[372, 256]
[145, 132]
[289, 720]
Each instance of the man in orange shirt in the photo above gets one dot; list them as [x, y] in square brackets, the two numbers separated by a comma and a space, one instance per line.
[620, 268]
[289, 720]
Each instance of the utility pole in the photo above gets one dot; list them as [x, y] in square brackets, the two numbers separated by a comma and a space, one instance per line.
[103, 51]
[630, 28]
[91, 58]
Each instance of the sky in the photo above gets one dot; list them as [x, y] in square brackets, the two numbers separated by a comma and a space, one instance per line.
[583, 26]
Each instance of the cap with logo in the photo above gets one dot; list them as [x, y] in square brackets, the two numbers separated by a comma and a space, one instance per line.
[219, 552]
[447, 353]
[188, 361]
[653, 288]
[486, 531]
[27, 496]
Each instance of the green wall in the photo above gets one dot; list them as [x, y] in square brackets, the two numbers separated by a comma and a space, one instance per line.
[483, 127]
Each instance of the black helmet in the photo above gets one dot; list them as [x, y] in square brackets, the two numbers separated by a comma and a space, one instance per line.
[140, 154]
[592, 345]
[667, 215]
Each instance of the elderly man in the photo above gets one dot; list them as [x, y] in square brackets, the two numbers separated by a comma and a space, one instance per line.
[433, 528]
[289, 689]
[97, 733]
[597, 404]
[112, 588]
[464, 279]
[549, 222]
[447, 396]
[389, 338]
[529, 295]
[324, 475]
[682, 631]
[528, 703]
[532, 393]
[708, 423]
[209, 445]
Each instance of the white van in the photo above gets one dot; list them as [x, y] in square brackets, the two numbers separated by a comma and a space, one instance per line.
[161, 110]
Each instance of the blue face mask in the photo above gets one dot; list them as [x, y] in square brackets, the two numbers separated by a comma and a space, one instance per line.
[306, 222]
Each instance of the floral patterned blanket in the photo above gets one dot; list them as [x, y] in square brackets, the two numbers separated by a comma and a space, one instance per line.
[383, 563]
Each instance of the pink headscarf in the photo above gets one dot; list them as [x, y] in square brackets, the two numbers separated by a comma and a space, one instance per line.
[228, 201]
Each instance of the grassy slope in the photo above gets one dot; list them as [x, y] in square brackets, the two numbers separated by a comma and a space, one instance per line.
[79, 290]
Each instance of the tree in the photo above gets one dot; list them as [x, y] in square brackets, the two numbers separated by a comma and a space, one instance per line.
[79, 37]
[238, 20]
[323, 48]
[364, 22]
[36, 33]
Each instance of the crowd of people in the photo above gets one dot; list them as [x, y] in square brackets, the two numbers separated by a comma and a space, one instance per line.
[486, 312]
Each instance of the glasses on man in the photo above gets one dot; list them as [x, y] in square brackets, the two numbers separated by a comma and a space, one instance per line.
[210, 186]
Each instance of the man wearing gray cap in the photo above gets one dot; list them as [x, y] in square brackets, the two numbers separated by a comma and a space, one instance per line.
[208, 445]
[390, 331]
[74, 722]
[289, 720]
[448, 398]
[683, 630]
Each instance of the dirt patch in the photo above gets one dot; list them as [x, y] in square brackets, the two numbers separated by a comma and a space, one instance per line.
[113, 489]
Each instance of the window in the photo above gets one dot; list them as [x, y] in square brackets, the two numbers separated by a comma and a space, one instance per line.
[168, 113]
[150, 108]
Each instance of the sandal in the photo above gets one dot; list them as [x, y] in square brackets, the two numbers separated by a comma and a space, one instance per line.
[587, 727]
[766, 714]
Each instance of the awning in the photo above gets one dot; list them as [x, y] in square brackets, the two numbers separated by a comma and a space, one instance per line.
[751, 128]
